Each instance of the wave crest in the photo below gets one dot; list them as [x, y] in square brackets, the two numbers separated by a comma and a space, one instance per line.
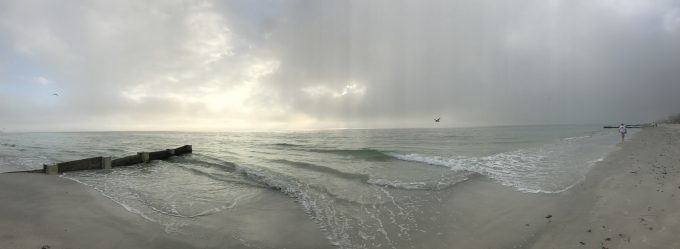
[364, 154]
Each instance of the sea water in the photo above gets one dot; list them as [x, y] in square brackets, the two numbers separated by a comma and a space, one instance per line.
[364, 187]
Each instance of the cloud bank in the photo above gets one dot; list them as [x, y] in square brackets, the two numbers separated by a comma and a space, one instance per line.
[225, 65]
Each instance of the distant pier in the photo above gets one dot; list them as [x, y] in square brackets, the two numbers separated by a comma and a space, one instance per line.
[631, 126]
[108, 163]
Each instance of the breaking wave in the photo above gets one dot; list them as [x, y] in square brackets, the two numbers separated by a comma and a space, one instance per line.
[326, 170]
[287, 145]
[363, 154]
[551, 168]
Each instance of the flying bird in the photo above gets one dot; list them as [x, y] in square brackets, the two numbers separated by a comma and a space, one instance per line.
[436, 120]
[55, 94]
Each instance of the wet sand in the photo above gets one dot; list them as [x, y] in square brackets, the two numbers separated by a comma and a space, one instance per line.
[38, 210]
[629, 200]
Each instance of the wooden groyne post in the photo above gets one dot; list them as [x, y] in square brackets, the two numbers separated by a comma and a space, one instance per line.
[108, 163]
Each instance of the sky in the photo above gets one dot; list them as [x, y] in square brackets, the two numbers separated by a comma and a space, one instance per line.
[289, 65]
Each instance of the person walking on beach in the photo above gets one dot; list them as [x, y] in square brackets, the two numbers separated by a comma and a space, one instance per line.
[623, 131]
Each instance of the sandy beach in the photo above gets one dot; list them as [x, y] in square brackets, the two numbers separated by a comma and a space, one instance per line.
[628, 200]
[38, 210]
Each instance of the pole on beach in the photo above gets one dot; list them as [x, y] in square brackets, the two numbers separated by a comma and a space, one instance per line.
[145, 156]
[106, 162]
[51, 169]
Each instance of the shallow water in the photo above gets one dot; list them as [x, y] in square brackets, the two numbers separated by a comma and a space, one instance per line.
[365, 188]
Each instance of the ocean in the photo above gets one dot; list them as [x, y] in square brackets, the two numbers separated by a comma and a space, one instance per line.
[365, 188]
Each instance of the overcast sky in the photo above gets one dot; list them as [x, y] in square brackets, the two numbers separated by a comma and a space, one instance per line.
[234, 65]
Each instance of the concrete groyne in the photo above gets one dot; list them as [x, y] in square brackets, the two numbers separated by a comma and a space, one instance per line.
[108, 163]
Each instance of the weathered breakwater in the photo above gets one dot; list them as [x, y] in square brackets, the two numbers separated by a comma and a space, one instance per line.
[108, 163]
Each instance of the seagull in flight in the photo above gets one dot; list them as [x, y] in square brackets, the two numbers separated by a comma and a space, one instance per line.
[55, 94]
[436, 120]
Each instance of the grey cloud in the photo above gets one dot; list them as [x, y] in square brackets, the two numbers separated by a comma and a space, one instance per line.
[480, 61]
[351, 63]
[116, 59]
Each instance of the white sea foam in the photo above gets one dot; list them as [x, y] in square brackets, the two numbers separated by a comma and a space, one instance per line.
[148, 196]
[399, 184]
[110, 197]
[575, 138]
[550, 168]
